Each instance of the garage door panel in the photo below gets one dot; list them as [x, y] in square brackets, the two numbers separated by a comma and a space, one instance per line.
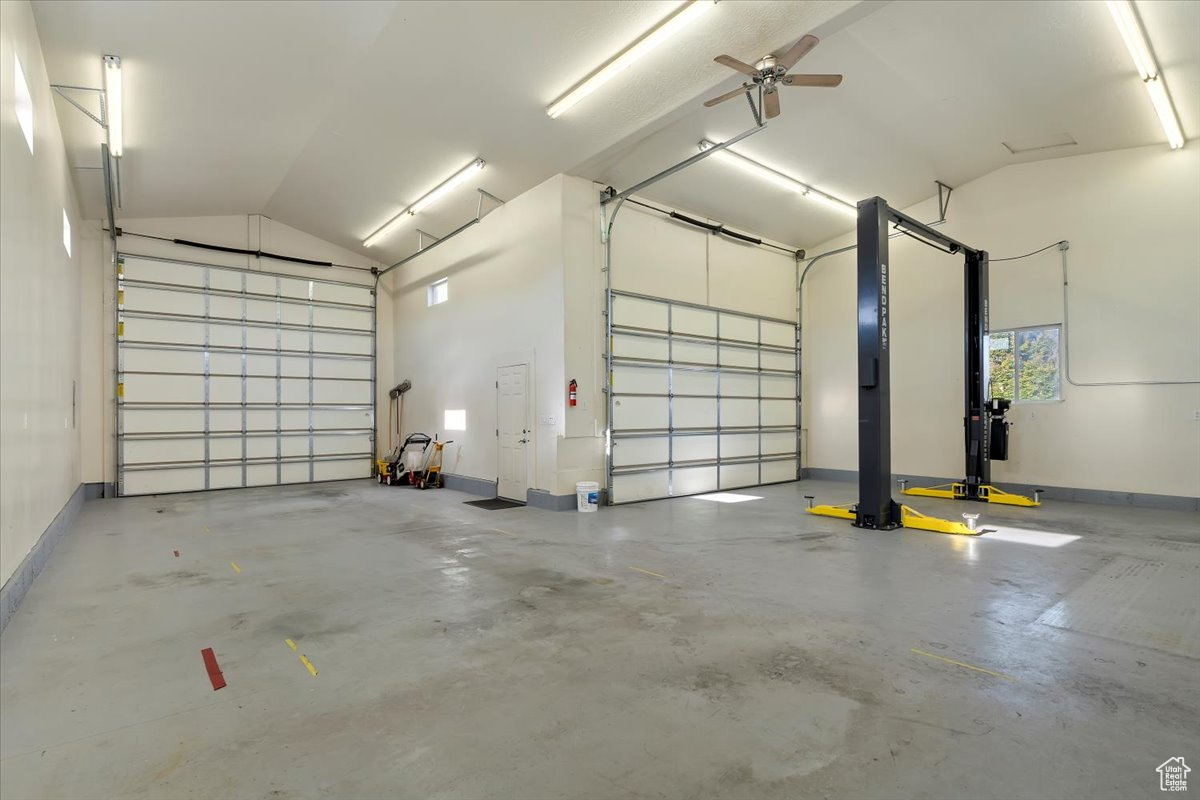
[739, 445]
[333, 418]
[330, 392]
[779, 471]
[640, 413]
[149, 420]
[163, 389]
[776, 443]
[779, 386]
[693, 412]
[785, 362]
[739, 476]
[141, 298]
[640, 452]
[693, 448]
[251, 439]
[639, 313]
[694, 353]
[688, 382]
[778, 334]
[693, 480]
[358, 369]
[163, 481]
[735, 326]
[164, 331]
[779, 412]
[169, 361]
[630, 346]
[640, 486]
[739, 357]
[163, 451]
[739, 413]
[640, 380]
[739, 384]
[340, 470]
[355, 319]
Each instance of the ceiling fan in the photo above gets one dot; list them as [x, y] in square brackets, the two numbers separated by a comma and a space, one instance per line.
[770, 72]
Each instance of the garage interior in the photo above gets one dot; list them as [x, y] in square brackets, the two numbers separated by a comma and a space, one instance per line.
[670, 399]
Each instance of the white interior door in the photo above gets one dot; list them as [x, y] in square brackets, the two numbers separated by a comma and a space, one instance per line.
[513, 431]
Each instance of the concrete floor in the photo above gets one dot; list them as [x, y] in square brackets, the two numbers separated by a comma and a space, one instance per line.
[678, 648]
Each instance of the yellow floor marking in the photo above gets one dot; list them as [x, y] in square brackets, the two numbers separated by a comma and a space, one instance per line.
[290, 644]
[236, 568]
[648, 572]
[205, 527]
[964, 665]
[309, 665]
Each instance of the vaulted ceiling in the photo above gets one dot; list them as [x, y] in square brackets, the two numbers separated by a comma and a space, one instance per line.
[332, 117]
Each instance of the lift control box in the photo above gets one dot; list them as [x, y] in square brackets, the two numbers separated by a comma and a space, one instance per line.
[998, 432]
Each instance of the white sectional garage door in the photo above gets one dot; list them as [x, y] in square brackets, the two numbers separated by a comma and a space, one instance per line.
[230, 378]
[702, 399]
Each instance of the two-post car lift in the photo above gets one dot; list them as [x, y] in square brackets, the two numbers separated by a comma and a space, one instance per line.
[985, 427]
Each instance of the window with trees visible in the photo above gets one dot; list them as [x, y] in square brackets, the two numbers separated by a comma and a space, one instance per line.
[1023, 364]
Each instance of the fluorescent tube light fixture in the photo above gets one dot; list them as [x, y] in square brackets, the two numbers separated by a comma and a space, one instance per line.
[431, 197]
[1126, 18]
[684, 15]
[114, 105]
[777, 178]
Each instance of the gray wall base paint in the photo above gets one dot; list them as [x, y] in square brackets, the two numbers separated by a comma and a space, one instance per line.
[538, 498]
[13, 591]
[1061, 493]
[97, 491]
[462, 483]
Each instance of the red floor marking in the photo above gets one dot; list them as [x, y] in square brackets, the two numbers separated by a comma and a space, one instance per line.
[214, 672]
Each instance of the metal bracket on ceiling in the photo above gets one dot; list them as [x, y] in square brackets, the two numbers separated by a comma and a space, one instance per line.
[944, 193]
[421, 236]
[490, 196]
[62, 89]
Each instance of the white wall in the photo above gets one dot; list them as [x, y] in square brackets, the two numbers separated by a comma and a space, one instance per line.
[505, 307]
[39, 305]
[1131, 219]
[242, 231]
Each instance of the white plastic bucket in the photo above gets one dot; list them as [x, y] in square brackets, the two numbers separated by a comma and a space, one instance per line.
[587, 496]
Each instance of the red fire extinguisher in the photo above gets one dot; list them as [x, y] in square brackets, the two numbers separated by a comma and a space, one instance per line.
[572, 392]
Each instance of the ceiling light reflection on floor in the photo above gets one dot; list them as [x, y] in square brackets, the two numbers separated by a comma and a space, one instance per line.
[726, 497]
[1022, 536]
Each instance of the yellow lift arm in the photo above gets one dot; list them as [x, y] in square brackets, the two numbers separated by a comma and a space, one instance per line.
[909, 518]
[958, 491]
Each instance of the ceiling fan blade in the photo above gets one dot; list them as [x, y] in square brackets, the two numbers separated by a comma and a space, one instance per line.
[798, 51]
[828, 81]
[733, 63]
[771, 103]
[724, 97]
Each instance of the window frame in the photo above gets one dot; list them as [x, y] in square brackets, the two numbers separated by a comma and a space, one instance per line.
[1015, 331]
[67, 239]
[431, 292]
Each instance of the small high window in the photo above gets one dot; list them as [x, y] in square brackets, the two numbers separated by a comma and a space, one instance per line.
[439, 291]
[24, 104]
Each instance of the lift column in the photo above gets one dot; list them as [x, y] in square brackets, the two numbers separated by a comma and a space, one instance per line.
[875, 506]
[977, 419]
